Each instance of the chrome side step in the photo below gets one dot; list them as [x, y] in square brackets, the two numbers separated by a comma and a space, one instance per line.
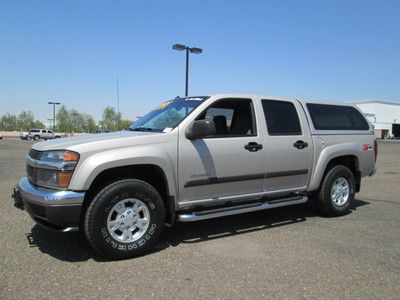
[239, 209]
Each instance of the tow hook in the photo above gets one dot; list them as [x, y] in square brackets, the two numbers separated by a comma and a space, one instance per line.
[17, 199]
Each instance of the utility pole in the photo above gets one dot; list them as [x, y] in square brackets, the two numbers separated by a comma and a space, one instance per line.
[119, 121]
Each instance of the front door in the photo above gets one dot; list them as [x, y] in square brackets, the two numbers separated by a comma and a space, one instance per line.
[227, 165]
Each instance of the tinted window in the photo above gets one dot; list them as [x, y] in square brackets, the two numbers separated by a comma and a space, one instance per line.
[336, 117]
[281, 117]
[232, 117]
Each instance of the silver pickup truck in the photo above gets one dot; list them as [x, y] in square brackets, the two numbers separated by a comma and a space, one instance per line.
[197, 158]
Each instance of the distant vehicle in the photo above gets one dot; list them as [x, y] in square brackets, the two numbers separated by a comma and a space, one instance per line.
[44, 134]
[1, 135]
[24, 136]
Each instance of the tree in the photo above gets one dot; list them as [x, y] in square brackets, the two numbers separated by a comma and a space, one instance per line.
[111, 119]
[8, 122]
[37, 124]
[63, 120]
[124, 123]
[25, 121]
[89, 124]
[76, 120]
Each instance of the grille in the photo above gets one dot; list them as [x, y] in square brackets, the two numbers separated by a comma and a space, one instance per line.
[31, 171]
[32, 174]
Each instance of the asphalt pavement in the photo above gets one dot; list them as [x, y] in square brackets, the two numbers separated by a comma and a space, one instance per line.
[283, 253]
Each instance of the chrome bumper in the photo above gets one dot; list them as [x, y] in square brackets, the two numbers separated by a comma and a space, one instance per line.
[46, 196]
[60, 210]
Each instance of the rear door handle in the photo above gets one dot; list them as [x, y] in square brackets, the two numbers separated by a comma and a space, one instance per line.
[253, 147]
[300, 144]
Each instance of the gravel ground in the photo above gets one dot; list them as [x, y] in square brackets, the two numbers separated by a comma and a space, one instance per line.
[282, 253]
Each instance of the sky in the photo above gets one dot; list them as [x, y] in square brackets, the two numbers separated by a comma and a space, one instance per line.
[74, 51]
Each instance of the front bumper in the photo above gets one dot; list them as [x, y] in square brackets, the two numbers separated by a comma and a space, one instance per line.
[59, 210]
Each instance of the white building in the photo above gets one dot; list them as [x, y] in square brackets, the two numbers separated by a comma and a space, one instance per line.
[384, 115]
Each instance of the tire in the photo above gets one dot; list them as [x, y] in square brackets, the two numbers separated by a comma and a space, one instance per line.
[117, 210]
[336, 193]
[36, 137]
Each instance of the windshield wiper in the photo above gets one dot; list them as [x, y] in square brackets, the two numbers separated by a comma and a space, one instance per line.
[141, 129]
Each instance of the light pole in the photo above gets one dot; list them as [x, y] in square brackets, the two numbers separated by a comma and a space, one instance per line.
[194, 50]
[50, 121]
[54, 113]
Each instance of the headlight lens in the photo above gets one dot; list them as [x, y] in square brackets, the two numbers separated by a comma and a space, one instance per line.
[55, 168]
[67, 156]
[53, 178]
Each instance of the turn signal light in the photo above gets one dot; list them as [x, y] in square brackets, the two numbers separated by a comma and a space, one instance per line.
[71, 156]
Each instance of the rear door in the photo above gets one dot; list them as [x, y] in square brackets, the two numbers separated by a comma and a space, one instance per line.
[288, 146]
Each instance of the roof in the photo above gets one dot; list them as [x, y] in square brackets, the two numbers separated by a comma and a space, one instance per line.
[375, 101]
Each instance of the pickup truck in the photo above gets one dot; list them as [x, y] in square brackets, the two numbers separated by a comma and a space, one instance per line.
[196, 158]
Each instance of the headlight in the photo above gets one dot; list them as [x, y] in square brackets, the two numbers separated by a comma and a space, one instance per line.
[53, 169]
[53, 178]
[60, 156]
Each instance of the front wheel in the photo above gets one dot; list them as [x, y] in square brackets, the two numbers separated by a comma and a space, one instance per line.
[125, 219]
[336, 192]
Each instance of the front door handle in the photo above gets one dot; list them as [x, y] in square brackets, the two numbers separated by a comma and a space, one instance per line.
[300, 144]
[253, 147]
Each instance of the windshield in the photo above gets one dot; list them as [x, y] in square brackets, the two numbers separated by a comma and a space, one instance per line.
[167, 115]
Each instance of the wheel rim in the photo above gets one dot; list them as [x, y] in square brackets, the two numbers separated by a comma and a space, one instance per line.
[340, 191]
[128, 220]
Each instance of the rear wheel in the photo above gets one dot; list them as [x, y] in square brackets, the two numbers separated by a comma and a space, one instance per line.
[336, 192]
[125, 219]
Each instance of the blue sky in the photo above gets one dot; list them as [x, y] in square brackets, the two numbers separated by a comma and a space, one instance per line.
[73, 51]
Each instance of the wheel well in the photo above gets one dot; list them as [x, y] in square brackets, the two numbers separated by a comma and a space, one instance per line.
[350, 161]
[151, 174]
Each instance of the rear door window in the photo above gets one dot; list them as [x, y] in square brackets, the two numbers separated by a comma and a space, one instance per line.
[281, 118]
[336, 117]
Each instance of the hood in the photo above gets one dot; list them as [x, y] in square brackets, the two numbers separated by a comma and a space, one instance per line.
[96, 142]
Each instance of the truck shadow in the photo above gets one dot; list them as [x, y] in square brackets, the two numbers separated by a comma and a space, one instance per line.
[72, 247]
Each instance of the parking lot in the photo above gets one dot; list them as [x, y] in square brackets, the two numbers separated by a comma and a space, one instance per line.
[282, 253]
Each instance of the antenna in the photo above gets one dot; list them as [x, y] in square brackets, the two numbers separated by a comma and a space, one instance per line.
[117, 94]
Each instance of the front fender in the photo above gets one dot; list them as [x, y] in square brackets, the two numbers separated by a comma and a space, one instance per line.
[91, 166]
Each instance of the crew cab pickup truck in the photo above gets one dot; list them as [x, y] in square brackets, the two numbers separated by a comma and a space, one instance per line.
[196, 158]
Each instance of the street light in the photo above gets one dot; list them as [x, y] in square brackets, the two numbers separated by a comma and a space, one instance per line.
[54, 113]
[50, 122]
[194, 50]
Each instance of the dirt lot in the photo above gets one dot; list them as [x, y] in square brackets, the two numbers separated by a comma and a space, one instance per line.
[281, 253]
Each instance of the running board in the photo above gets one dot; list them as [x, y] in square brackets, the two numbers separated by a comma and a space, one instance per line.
[239, 209]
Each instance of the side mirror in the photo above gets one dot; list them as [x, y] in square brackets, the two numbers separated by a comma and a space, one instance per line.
[199, 129]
